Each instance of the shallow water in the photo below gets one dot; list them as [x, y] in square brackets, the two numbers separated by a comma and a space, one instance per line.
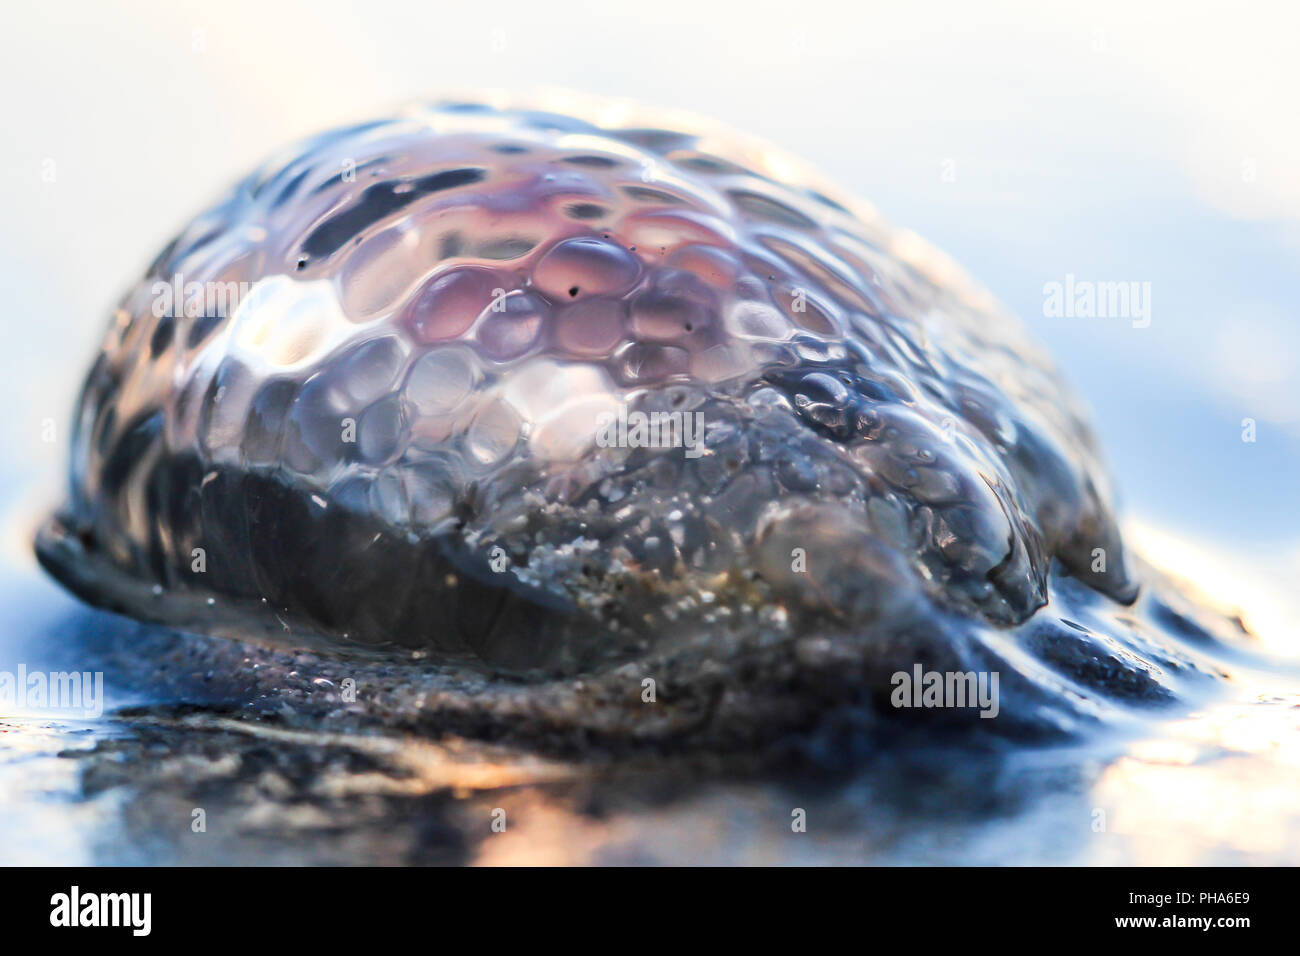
[241, 733]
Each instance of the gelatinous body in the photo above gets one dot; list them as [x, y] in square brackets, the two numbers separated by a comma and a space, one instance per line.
[545, 394]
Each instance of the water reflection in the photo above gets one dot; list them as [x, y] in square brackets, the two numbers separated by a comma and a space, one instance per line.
[279, 784]
[1218, 787]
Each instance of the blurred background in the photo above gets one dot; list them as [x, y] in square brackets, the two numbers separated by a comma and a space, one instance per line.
[1121, 141]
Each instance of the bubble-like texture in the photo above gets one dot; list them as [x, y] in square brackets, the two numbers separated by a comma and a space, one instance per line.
[395, 435]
